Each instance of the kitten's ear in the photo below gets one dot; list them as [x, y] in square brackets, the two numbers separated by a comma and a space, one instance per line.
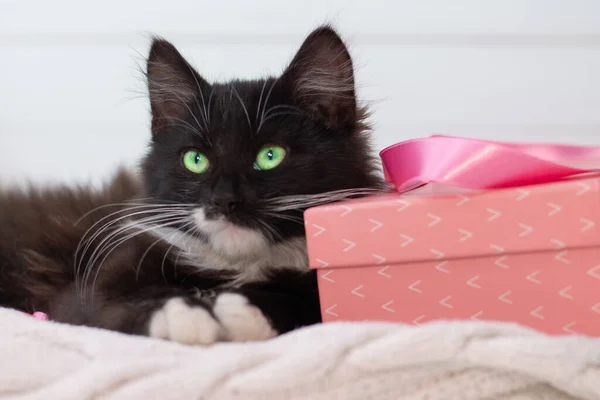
[172, 83]
[321, 78]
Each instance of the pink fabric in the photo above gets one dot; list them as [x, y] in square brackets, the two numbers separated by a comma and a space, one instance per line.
[480, 164]
[40, 315]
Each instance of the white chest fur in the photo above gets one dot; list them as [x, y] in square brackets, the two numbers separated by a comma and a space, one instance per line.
[249, 265]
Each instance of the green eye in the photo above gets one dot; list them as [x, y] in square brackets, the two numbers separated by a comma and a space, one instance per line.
[269, 157]
[195, 161]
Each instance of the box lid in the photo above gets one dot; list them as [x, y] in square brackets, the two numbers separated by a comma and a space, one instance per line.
[393, 228]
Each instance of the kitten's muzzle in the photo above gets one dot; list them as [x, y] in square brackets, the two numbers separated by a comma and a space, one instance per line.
[225, 204]
[225, 198]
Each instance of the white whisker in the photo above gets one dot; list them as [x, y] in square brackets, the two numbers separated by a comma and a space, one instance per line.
[234, 90]
[203, 110]
[146, 220]
[178, 122]
[281, 114]
[110, 247]
[147, 209]
[262, 117]
[285, 217]
[282, 107]
[169, 93]
[290, 203]
[294, 202]
[185, 230]
[210, 96]
[89, 241]
[139, 264]
[126, 203]
[260, 98]
[107, 242]
[270, 230]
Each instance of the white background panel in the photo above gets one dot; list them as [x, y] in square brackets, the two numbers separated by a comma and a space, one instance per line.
[73, 107]
[266, 17]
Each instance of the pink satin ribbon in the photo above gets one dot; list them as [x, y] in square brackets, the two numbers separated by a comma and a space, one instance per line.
[481, 164]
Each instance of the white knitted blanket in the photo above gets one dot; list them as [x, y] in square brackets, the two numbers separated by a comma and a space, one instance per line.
[436, 361]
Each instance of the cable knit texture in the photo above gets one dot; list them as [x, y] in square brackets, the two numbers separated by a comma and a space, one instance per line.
[436, 361]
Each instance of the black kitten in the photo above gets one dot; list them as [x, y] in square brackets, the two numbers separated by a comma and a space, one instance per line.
[210, 244]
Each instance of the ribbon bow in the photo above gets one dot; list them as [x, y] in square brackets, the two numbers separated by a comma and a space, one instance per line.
[481, 164]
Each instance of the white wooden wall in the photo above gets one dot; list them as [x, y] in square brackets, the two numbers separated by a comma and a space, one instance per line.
[72, 105]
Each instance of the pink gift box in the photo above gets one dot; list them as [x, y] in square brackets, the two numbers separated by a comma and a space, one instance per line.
[527, 254]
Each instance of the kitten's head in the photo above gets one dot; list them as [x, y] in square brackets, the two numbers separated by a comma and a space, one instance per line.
[248, 157]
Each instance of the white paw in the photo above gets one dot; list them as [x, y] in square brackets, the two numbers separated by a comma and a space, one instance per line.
[242, 321]
[180, 322]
